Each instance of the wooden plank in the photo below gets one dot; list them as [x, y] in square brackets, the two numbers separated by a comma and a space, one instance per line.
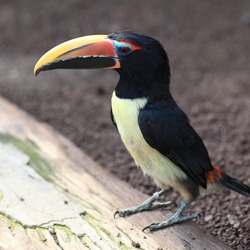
[14, 236]
[61, 199]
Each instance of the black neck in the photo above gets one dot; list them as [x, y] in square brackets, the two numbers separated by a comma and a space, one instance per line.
[134, 85]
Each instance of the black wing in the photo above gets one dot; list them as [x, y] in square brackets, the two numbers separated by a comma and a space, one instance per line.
[166, 128]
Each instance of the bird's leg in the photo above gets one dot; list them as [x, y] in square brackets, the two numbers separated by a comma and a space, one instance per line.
[146, 205]
[176, 218]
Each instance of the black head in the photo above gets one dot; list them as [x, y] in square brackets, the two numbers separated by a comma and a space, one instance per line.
[145, 70]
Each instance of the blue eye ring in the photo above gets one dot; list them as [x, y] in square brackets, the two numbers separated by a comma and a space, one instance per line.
[122, 49]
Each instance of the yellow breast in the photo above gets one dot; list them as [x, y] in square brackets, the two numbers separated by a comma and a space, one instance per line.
[152, 162]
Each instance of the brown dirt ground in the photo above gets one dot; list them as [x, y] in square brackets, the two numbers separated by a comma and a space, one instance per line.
[208, 43]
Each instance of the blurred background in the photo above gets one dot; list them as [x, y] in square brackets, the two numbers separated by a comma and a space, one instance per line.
[208, 43]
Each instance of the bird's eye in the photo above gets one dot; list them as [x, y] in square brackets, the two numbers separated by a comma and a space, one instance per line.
[122, 49]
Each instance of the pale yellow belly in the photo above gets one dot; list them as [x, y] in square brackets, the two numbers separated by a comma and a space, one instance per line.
[153, 163]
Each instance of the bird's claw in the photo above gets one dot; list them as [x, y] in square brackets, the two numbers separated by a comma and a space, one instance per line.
[121, 213]
[116, 212]
[152, 227]
[148, 227]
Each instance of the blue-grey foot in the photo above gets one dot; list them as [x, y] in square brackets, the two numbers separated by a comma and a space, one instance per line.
[176, 218]
[146, 205]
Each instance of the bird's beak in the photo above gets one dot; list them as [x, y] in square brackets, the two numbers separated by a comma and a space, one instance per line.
[88, 52]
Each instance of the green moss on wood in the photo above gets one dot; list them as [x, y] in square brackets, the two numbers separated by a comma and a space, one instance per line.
[104, 233]
[69, 235]
[28, 147]
[86, 241]
[11, 223]
[66, 230]
[90, 219]
[41, 234]
[109, 234]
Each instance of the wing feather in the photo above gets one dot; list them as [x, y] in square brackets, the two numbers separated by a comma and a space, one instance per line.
[166, 128]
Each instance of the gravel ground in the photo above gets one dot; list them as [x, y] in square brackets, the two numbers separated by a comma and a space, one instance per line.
[208, 43]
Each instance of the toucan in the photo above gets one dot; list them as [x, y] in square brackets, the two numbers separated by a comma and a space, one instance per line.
[153, 128]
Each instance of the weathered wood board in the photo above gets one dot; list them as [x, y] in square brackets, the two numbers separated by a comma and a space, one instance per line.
[53, 196]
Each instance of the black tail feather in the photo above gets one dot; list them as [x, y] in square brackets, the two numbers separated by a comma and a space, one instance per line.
[234, 184]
